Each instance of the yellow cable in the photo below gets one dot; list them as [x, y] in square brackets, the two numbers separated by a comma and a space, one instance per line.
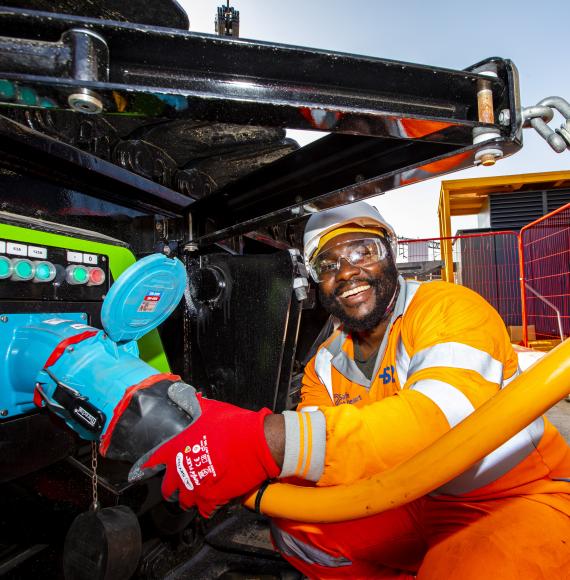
[509, 411]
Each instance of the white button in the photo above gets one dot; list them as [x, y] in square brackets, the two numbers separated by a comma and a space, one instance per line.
[35, 252]
[3, 247]
[90, 259]
[16, 249]
[75, 257]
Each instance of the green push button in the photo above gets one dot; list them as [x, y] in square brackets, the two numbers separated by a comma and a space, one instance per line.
[45, 271]
[23, 270]
[80, 275]
[5, 267]
[7, 89]
[76, 275]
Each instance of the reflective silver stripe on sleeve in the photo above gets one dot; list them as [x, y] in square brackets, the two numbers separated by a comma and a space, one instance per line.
[305, 445]
[290, 546]
[452, 402]
[497, 463]
[456, 407]
[511, 378]
[527, 358]
[458, 356]
[402, 362]
[323, 368]
[309, 409]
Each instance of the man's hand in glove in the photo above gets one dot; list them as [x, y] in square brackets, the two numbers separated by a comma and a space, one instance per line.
[223, 455]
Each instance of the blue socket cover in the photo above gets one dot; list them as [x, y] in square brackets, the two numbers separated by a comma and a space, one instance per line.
[143, 296]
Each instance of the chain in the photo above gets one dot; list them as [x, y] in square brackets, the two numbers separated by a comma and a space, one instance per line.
[541, 114]
[95, 505]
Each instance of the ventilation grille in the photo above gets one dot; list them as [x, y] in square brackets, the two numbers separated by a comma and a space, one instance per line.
[512, 211]
[558, 198]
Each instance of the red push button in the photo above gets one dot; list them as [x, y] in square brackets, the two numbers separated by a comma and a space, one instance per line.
[96, 276]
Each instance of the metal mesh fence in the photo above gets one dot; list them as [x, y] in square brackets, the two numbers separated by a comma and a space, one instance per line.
[545, 258]
[487, 263]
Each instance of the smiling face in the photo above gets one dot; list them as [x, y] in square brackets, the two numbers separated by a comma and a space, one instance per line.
[358, 296]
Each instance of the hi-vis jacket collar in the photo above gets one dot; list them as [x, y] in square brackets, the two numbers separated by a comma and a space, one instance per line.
[344, 364]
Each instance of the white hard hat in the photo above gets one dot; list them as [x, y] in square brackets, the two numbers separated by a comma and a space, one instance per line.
[359, 213]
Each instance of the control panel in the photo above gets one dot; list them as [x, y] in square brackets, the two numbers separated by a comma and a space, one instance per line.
[53, 270]
[34, 272]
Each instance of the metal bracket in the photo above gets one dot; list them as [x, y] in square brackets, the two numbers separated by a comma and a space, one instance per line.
[389, 123]
[301, 281]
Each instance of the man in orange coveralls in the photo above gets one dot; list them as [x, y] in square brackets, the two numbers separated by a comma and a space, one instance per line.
[408, 362]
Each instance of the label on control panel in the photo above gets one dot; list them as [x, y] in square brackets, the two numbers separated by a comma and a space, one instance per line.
[35, 252]
[16, 249]
[90, 259]
[2, 246]
[76, 257]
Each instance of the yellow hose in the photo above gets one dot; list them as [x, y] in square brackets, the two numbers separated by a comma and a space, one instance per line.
[531, 394]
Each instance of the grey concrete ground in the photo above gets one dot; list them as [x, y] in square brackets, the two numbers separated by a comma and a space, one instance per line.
[560, 416]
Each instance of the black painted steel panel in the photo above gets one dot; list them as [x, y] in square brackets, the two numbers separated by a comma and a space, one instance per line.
[245, 338]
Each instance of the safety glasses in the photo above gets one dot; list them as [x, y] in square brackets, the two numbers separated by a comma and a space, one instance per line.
[359, 253]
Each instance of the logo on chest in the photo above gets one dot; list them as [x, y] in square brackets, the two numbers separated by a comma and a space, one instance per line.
[344, 399]
[387, 375]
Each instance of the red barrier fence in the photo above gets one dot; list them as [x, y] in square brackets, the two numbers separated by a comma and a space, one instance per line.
[525, 276]
[487, 263]
[545, 284]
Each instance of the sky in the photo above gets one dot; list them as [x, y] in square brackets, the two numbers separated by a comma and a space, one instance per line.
[443, 33]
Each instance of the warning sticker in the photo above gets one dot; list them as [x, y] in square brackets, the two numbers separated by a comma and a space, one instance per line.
[150, 302]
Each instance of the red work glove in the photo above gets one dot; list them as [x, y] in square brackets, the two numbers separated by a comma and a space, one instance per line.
[221, 456]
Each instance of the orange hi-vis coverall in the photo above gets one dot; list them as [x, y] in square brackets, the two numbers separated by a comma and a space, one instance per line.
[445, 352]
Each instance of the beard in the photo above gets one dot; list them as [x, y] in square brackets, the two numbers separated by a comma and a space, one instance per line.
[384, 288]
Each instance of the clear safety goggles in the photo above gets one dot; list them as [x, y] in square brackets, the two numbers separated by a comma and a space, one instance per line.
[359, 253]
